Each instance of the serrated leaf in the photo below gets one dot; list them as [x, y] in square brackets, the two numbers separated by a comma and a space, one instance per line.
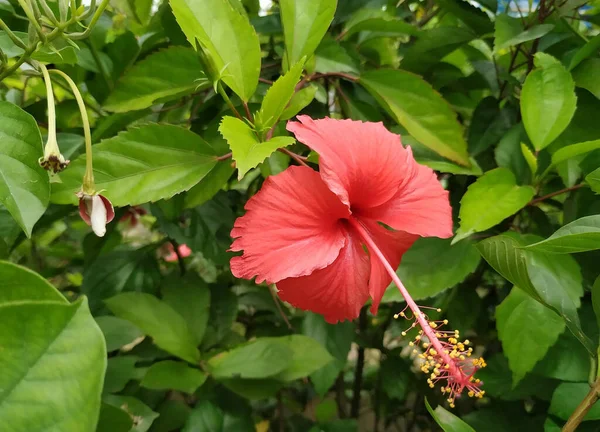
[24, 184]
[447, 421]
[158, 320]
[548, 101]
[491, 199]
[304, 25]
[277, 98]
[228, 38]
[580, 235]
[414, 104]
[247, 150]
[165, 75]
[261, 358]
[524, 341]
[509, 32]
[62, 341]
[169, 374]
[574, 150]
[144, 164]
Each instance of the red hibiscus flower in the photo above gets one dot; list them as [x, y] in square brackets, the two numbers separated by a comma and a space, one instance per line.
[331, 239]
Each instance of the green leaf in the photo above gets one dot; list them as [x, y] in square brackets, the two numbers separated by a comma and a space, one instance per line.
[566, 399]
[508, 154]
[529, 158]
[473, 17]
[277, 98]
[593, 179]
[62, 340]
[524, 340]
[24, 185]
[378, 21]
[248, 151]
[489, 124]
[174, 375]
[453, 264]
[141, 413]
[548, 101]
[308, 355]
[117, 332]
[227, 37]
[113, 419]
[299, 101]
[590, 48]
[304, 25]
[261, 358]
[58, 52]
[206, 417]
[574, 150]
[586, 74]
[144, 164]
[119, 371]
[567, 360]
[580, 235]
[158, 320]
[253, 389]
[190, 297]
[212, 183]
[551, 280]
[509, 32]
[165, 75]
[447, 421]
[414, 104]
[596, 299]
[491, 199]
[332, 57]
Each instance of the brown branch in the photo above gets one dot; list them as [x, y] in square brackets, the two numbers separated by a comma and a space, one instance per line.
[582, 409]
[553, 194]
[300, 159]
[266, 81]
[224, 157]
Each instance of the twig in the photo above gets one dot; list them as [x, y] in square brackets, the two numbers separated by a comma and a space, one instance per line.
[266, 81]
[248, 113]
[300, 159]
[553, 194]
[224, 157]
[279, 308]
[582, 409]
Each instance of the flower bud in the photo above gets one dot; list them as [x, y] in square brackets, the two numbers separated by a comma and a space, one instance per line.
[96, 211]
[53, 160]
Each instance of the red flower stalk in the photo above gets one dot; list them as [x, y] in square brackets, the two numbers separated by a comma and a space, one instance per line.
[330, 240]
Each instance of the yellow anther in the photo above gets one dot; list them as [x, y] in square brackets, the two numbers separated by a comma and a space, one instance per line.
[425, 344]
[467, 342]
[402, 314]
[432, 351]
[438, 310]
[403, 333]
[432, 324]
[396, 316]
[445, 321]
[471, 394]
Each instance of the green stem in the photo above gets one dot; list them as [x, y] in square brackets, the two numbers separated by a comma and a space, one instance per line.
[49, 14]
[32, 19]
[223, 94]
[16, 40]
[583, 408]
[89, 187]
[95, 18]
[51, 108]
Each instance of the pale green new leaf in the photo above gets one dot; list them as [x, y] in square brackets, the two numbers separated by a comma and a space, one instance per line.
[529, 158]
[524, 341]
[491, 199]
[299, 101]
[447, 421]
[414, 104]
[277, 98]
[509, 31]
[165, 75]
[228, 38]
[308, 355]
[158, 320]
[24, 185]
[580, 235]
[247, 150]
[62, 355]
[144, 164]
[305, 22]
[548, 101]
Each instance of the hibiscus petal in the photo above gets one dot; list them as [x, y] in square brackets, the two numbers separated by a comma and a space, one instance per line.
[338, 291]
[393, 244]
[291, 228]
[362, 163]
[420, 206]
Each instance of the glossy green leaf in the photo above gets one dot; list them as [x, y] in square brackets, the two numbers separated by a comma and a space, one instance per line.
[414, 104]
[141, 413]
[566, 360]
[117, 332]
[580, 235]
[332, 57]
[261, 358]
[566, 399]
[593, 179]
[228, 39]
[24, 185]
[119, 371]
[308, 355]
[590, 48]
[489, 124]
[304, 25]
[299, 101]
[524, 341]
[548, 101]
[113, 419]
[472, 16]
[574, 150]
[377, 21]
[447, 421]
[174, 375]
[212, 183]
[491, 199]
[62, 340]
[586, 74]
[165, 75]
[190, 297]
[529, 158]
[433, 265]
[277, 98]
[158, 320]
[207, 417]
[248, 151]
[509, 31]
[144, 164]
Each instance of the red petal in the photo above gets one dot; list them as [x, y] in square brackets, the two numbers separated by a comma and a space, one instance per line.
[83, 211]
[420, 206]
[362, 163]
[393, 244]
[110, 211]
[291, 228]
[338, 291]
